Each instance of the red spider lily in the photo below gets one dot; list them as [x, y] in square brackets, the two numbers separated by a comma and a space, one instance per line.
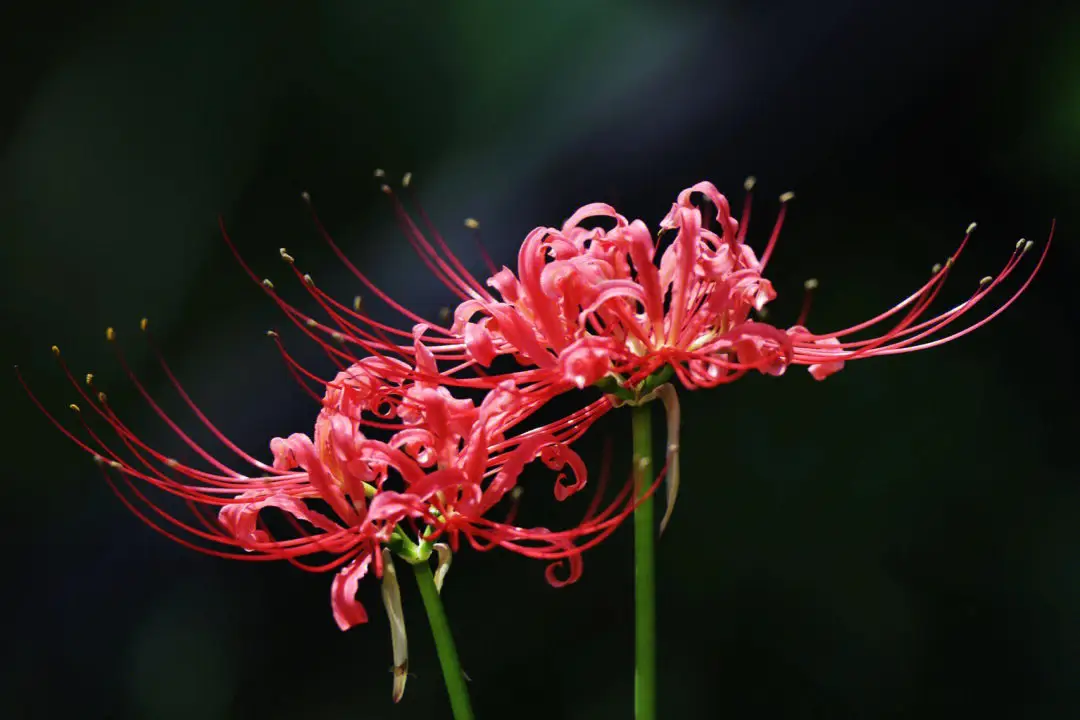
[452, 462]
[595, 303]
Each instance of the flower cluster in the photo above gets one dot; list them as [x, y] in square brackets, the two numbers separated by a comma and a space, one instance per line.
[425, 430]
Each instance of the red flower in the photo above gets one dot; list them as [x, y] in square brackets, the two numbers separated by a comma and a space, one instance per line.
[589, 303]
[443, 469]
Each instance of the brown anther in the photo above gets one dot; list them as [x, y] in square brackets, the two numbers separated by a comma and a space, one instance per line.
[143, 324]
[444, 314]
[171, 462]
[102, 398]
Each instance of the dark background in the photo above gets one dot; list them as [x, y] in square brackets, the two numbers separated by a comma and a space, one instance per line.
[901, 541]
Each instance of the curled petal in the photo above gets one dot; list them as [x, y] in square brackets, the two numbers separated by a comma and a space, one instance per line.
[241, 519]
[822, 370]
[478, 343]
[506, 284]
[558, 455]
[574, 564]
[346, 608]
[425, 359]
[299, 450]
[592, 210]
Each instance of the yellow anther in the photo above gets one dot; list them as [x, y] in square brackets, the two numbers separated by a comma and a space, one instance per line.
[74, 407]
[948, 263]
[267, 284]
[810, 284]
[102, 398]
[444, 314]
[171, 462]
[936, 269]
[56, 351]
[338, 337]
[110, 334]
[406, 179]
[472, 223]
[311, 322]
[143, 324]
[115, 465]
[749, 183]
[1028, 245]
[986, 281]
[357, 303]
[271, 333]
[787, 197]
[971, 228]
[379, 172]
[98, 459]
[286, 256]
[306, 197]
[89, 378]
[308, 280]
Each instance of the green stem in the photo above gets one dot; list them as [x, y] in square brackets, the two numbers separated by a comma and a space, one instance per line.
[644, 569]
[444, 644]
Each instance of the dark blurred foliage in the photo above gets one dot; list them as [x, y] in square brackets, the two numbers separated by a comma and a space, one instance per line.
[900, 541]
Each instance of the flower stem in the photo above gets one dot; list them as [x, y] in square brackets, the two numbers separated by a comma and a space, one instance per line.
[644, 569]
[444, 643]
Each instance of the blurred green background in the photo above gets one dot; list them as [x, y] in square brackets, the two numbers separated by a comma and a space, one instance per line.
[901, 541]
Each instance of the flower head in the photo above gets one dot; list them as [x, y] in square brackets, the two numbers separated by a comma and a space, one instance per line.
[591, 302]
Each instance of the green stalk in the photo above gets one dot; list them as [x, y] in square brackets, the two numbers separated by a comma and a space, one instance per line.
[444, 643]
[644, 570]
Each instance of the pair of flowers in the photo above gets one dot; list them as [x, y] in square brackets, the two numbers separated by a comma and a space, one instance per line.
[425, 431]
